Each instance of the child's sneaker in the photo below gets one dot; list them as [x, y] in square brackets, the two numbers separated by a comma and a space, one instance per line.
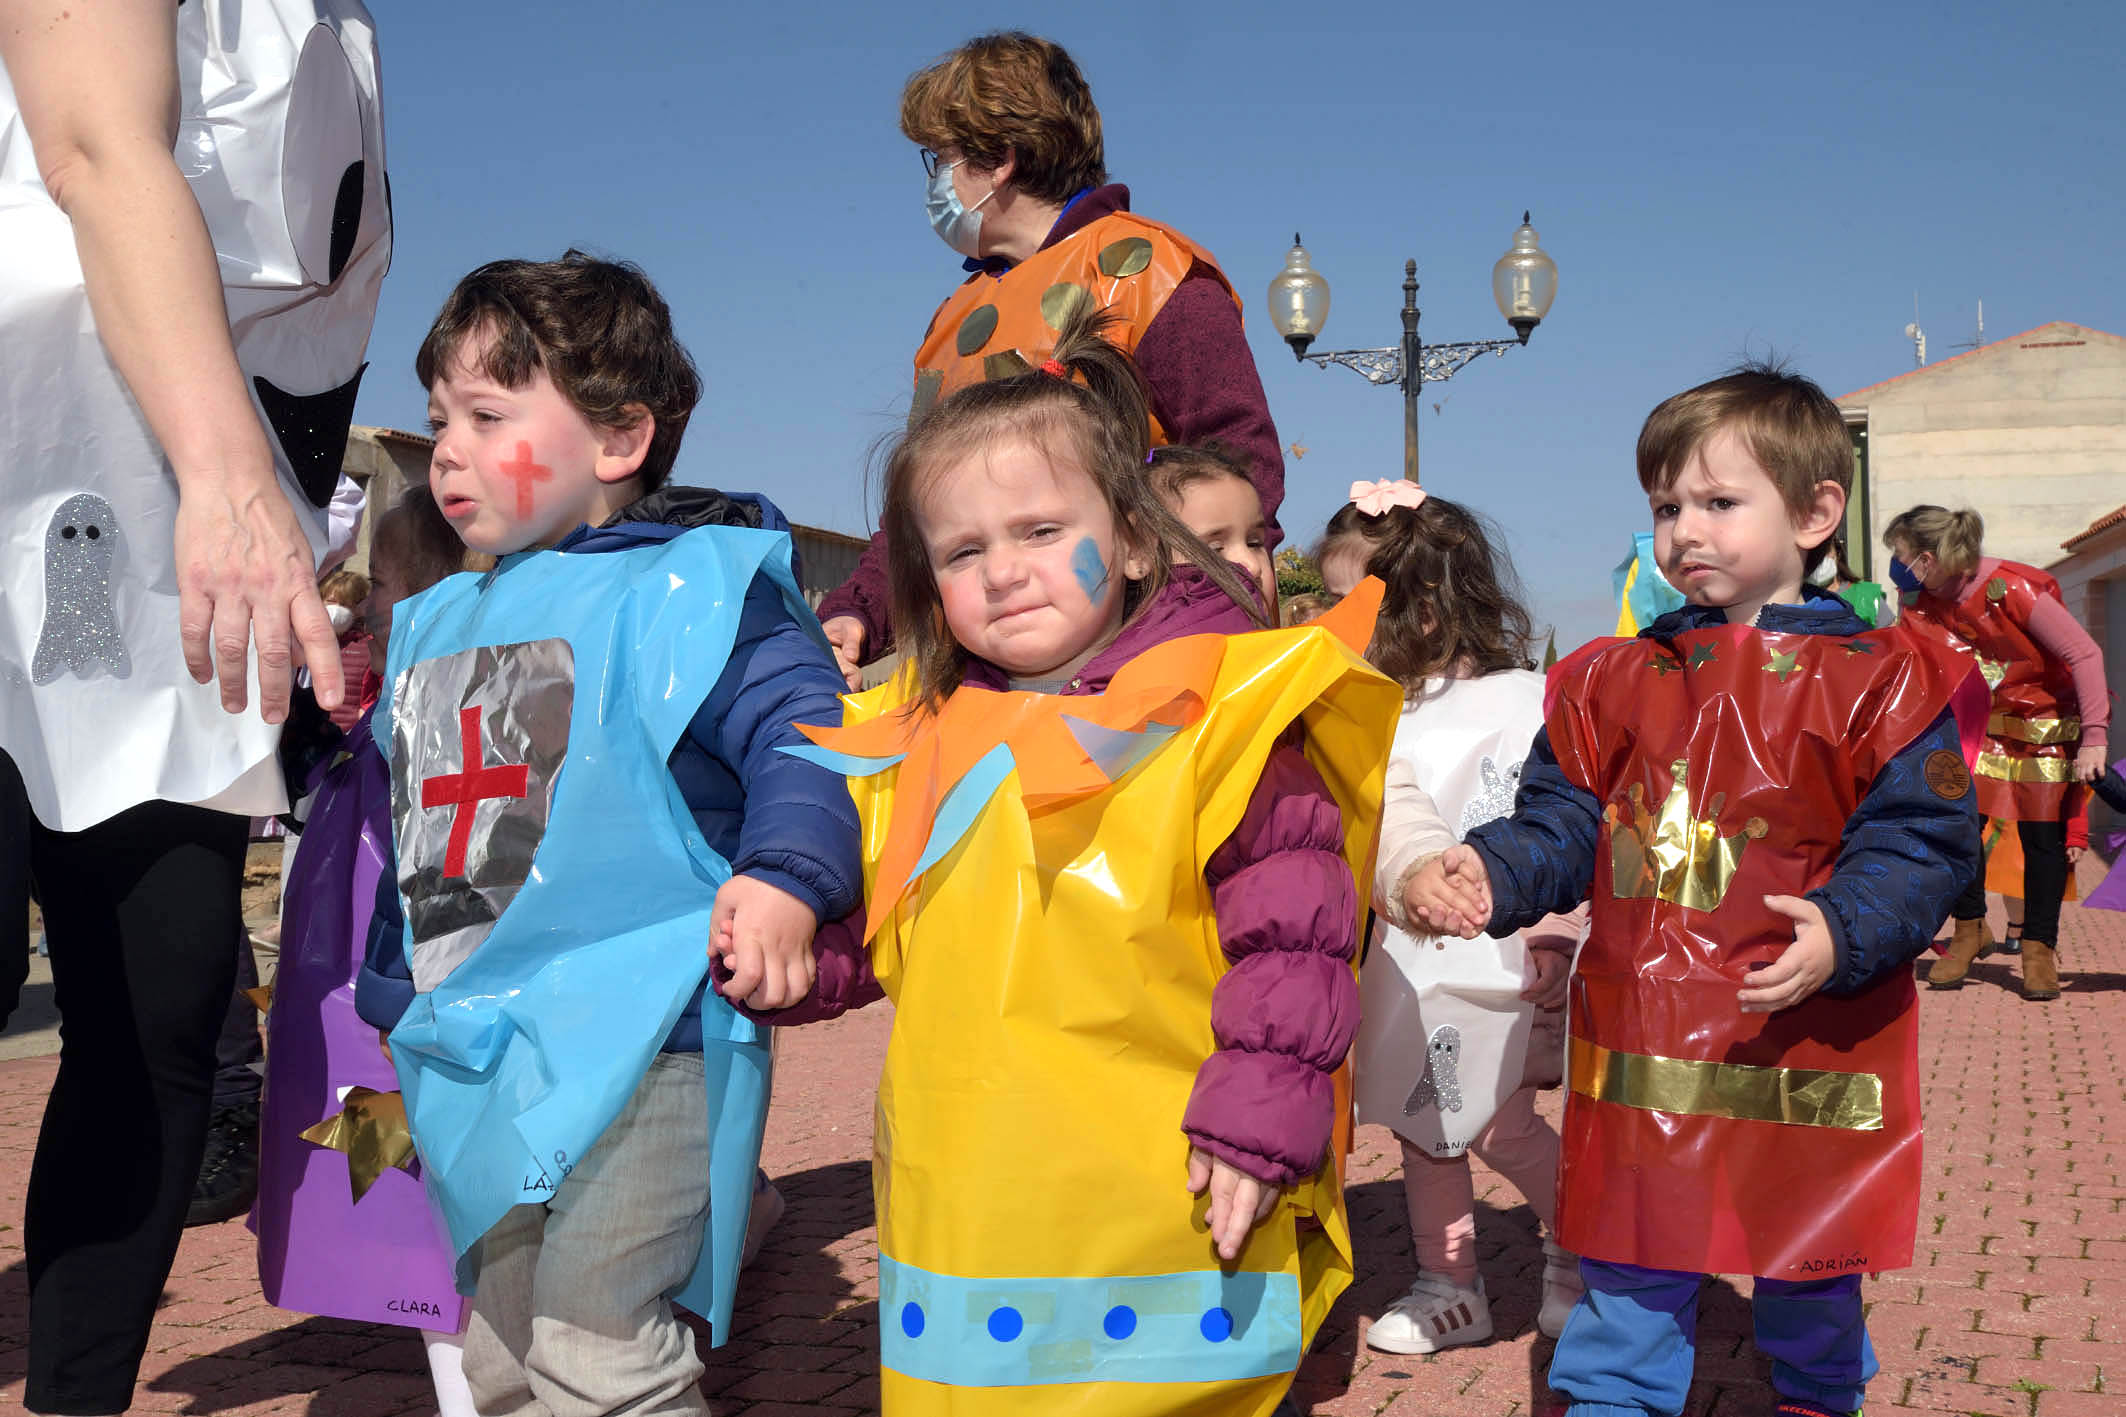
[1437, 1313]
[1561, 1288]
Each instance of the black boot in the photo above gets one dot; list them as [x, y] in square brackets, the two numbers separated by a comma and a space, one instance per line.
[228, 1173]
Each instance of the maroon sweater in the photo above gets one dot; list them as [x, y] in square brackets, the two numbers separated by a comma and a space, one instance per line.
[1285, 1012]
[1204, 387]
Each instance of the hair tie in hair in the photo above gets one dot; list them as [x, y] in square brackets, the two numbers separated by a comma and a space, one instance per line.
[1055, 367]
[1374, 499]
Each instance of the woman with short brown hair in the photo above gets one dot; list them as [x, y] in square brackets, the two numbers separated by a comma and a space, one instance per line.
[1015, 160]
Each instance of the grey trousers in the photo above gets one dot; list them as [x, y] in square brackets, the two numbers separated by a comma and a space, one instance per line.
[569, 1318]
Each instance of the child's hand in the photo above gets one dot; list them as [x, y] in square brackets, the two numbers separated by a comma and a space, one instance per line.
[1801, 969]
[2089, 763]
[1239, 1202]
[1451, 894]
[763, 934]
[1553, 970]
[846, 634]
[383, 1041]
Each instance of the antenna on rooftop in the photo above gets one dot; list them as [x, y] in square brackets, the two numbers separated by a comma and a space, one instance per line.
[1978, 342]
[1917, 335]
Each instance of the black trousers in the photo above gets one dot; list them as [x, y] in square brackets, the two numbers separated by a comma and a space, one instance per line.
[2044, 882]
[141, 912]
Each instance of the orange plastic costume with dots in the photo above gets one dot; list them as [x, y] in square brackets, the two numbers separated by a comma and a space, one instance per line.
[996, 326]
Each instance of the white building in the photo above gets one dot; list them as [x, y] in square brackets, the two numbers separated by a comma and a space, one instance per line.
[2030, 430]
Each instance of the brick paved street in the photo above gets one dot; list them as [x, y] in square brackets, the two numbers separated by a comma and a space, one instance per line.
[2013, 1309]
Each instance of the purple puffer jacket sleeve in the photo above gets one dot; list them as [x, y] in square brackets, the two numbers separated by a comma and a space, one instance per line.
[1285, 1013]
[863, 595]
[844, 981]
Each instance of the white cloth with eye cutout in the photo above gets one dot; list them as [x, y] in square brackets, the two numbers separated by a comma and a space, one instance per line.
[1444, 1031]
[280, 136]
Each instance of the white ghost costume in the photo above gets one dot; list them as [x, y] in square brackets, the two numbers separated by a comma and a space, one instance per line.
[1445, 1032]
[280, 136]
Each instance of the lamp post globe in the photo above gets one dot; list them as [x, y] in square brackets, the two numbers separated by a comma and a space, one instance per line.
[1299, 300]
[1524, 281]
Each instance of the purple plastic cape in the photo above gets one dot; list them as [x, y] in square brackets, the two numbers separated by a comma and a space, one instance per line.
[382, 1259]
[2110, 893]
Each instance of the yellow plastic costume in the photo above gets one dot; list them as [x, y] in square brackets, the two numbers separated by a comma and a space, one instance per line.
[1039, 917]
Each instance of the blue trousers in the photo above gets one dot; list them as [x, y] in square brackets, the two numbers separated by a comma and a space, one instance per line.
[1631, 1342]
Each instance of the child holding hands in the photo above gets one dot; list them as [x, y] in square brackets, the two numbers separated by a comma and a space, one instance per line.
[1443, 1045]
[1771, 806]
[1110, 846]
[587, 788]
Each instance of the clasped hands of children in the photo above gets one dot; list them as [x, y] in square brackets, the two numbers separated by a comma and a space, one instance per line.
[763, 935]
[1452, 894]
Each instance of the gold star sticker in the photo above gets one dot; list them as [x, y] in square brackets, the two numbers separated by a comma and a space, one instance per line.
[371, 1129]
[1859, 646]
[1663, 665]
[1701, 656]
[1783, 664]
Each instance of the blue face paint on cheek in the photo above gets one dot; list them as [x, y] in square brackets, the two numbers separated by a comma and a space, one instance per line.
[1091, 571]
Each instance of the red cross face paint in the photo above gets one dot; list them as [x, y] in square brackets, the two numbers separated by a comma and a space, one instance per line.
[478, 739]
[524, 472]
[512, 467]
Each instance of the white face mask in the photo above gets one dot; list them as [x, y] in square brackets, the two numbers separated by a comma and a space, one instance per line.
[958, 226]
[340, 616]
[1826, 571]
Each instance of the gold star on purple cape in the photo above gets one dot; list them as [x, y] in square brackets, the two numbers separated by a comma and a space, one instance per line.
[370, 1128]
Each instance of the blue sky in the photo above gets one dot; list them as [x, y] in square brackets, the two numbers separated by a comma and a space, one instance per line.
[1712, 179]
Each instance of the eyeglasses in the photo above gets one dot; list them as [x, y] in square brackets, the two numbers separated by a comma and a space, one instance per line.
[931, 162]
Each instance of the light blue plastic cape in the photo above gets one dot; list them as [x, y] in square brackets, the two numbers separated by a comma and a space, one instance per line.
[517, 1060]
[1643, 596]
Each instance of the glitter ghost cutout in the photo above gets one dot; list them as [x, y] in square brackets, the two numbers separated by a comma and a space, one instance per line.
[1441, 1086]
[1495, 800]
[80, 628]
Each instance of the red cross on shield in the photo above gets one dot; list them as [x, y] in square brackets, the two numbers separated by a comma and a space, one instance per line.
[478, 741]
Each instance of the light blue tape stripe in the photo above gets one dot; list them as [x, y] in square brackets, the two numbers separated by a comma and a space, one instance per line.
[963, 803]
[1200, 1327]
[847, 764]
[1115, 751]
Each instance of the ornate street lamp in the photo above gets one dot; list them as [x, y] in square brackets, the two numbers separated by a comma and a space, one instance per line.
[1523, 282]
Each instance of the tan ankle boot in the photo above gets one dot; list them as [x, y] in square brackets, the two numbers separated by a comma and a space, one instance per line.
[2041, 970]
[1949, 970]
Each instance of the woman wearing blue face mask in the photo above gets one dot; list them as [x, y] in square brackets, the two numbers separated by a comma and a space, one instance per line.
[2046, 734]
[1016, 183]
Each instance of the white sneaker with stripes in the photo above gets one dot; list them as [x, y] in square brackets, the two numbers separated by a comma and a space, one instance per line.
[1437, 1313]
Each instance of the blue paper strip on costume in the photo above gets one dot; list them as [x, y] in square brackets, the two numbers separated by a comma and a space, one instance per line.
[847, 764]
[1116, 750]
[964, 801]
[1205, 1326]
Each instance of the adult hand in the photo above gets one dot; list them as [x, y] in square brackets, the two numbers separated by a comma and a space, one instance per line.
[245, 575]
[1239, 1202]
[846, 634]
[2089, 762]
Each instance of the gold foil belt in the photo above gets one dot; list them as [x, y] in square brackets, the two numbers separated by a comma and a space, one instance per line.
[2034, 730]
[1802, 1097]
[2004, 768]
